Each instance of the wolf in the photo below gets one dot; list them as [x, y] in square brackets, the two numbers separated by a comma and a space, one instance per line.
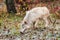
[32, 17]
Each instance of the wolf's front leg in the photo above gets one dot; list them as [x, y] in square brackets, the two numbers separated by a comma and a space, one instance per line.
[36, 23]
[47, 22]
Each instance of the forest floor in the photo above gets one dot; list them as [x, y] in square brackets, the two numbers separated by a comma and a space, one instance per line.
[10, 26]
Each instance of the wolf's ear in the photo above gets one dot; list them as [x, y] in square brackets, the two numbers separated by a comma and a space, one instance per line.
[27, 11]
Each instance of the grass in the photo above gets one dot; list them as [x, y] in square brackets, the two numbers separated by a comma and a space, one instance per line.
[12, 23]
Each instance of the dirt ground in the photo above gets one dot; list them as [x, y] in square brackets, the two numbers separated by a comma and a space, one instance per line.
[49, 33]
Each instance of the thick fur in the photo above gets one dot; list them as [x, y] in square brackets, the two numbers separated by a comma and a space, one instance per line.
[33, 15]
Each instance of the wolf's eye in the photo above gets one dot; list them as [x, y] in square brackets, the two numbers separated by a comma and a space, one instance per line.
[25, 22]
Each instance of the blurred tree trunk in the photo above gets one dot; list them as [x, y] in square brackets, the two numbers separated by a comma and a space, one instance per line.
[10, 6]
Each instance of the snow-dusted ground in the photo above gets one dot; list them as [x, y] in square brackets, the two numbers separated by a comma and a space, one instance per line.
[49, 33]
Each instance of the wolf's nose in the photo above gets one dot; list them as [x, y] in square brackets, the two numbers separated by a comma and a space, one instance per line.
[21, 32]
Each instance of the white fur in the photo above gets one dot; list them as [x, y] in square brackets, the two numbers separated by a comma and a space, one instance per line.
[33, 15]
